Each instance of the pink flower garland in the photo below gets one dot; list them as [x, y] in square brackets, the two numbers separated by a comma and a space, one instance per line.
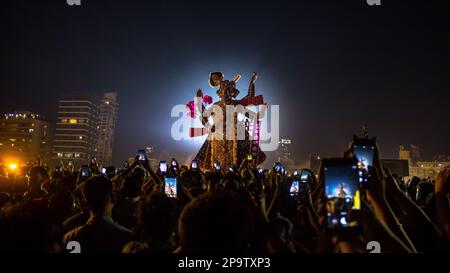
[191, 106]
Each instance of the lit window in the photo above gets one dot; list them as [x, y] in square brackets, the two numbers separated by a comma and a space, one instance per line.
[80, 137]
[30, 130]
[77, 155]
[73, 121]
[60, 155]
[68, 155]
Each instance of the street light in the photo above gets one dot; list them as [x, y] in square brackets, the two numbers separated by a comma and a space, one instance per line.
[13, 166]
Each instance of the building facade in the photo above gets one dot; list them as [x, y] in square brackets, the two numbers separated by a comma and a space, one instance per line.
[284, 154]
[76, 130]
[428, 169]
[24, 138]
[108, 112]
[420, 168]
[85, 128]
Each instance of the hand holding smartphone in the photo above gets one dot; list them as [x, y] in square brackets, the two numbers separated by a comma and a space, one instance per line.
[216, 166]
[342, 193]
[365, 151]
[142, 156]
[170, 187]
[295, 188]
[194, 164]
[163, 166]
[85, 171]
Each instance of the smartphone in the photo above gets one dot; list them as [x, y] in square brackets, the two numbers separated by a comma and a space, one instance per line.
[295, 188]
[216, 166]
[295, 173]
[174, 163]
[364, 151]
[163, 166]
[194, 164]
[231, 169]
[85, 172]
[141, 154]
[342, 192]
[126, 164]
[304, 176]
[249, 157]
[170, 187]
[277, 166]
[260, 171]
[365, 155]
[103, 171]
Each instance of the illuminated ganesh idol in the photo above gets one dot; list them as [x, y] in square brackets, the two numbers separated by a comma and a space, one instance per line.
[230, 139]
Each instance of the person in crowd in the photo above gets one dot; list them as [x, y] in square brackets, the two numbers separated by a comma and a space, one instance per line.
[216, 222]
[157, 217]
[228, 209]
[423, 190]
[124, 210]
[82, 215]
[100, 233]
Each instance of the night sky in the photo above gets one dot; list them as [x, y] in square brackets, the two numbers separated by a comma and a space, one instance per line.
[330, 65]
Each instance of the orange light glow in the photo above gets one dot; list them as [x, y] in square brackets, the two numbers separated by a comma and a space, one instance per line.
[13, 166]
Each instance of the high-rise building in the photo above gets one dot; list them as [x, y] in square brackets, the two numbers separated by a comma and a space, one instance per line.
[108, 109]
[283, 152]
[284, 155]
[76, 130]
[24, 137]
[85, 128]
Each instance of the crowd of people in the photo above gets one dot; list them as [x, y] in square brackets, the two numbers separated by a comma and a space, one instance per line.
[230, 209]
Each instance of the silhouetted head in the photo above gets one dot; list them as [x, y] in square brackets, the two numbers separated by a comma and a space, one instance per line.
[411, 187]
[216, 222]
[157, 215]
[60, 206]
[97, 194]
[5, 198]
[66, 184]
[232, 182]
[423, 189]
[38, 175]
[132, 186]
